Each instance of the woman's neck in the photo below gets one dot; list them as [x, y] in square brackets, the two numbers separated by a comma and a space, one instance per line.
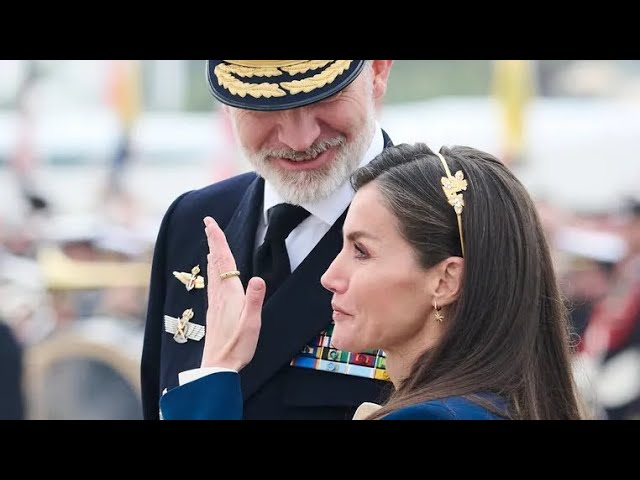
[399, 364]
[402, 358]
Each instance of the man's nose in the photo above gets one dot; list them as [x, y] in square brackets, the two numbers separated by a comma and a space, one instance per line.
[298, 129]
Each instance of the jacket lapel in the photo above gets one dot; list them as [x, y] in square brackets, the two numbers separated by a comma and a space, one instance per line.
[241, 231]
[387, 140]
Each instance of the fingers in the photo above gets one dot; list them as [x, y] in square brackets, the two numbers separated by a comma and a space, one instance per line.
[256, 290]
[220, 258]
[251, 318]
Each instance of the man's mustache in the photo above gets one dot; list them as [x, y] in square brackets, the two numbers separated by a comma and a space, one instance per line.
[311, 152]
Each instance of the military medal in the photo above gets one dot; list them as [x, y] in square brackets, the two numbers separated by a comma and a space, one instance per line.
[320, 354]
[182, 329]
[191, 280]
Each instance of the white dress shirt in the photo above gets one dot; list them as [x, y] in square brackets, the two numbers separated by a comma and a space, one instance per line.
[302, 240]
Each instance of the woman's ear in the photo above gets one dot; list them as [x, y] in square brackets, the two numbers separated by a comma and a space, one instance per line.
[448, 280]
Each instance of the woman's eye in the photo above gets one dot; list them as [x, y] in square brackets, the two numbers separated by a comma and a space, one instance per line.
[360, 252]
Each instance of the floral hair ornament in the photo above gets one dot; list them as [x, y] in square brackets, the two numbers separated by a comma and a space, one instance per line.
[452, 185]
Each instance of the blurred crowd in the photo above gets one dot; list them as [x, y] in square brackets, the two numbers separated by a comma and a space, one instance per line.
[72, 285]
[598, 264]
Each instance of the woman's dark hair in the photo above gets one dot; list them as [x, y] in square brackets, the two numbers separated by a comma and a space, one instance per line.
[508, 331]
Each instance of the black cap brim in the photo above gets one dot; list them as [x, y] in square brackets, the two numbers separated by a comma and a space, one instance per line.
[272, 87]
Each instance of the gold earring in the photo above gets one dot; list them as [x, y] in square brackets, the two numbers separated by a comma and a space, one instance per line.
[439, 316]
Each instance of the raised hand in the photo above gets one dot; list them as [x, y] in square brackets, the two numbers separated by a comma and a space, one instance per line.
[233, 317]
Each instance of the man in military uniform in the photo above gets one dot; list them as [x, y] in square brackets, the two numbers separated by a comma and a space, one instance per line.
[305, 126]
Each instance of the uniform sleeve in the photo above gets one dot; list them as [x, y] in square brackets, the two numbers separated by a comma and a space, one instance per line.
[213, 397]
[197, 373]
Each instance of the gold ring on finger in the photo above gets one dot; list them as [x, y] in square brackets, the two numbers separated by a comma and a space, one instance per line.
[234, 273]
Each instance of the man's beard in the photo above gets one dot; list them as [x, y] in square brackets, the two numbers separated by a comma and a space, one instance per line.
[308, 186]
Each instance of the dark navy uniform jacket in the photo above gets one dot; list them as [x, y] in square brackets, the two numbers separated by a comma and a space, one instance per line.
[296, 313]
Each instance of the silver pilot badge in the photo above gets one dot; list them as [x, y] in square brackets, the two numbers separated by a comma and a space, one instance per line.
[191, 280]
[182, 329]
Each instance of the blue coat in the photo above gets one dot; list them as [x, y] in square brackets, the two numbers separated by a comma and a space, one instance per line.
[219, 397]
[297, 313]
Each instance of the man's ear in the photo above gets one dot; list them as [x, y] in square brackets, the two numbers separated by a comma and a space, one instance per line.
[381, 71]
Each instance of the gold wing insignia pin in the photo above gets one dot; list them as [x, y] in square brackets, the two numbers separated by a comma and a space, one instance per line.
[191, 280]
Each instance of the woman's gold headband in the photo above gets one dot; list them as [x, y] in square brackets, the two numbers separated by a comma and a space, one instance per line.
[452, 186]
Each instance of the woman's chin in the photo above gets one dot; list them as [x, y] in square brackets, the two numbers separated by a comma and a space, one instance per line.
[345, 341]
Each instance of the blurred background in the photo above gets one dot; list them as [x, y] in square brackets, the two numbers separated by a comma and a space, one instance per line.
[93, 152]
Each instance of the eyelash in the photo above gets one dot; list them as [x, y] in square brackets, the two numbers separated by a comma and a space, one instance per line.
[361, 254]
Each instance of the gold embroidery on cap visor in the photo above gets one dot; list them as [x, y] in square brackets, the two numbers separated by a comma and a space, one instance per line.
[230, 76]
[452, 186]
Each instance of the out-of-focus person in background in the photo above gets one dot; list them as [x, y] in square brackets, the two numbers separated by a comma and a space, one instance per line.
[24, 160]
[586, 282]
[587, 254]
[125, 99]
[305, 126]
[12, 401]
[88, 366]
[612, 336]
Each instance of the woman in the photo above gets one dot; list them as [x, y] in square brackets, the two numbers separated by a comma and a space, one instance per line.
[445, 267]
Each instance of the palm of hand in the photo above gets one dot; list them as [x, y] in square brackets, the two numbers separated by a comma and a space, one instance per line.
[233, 317]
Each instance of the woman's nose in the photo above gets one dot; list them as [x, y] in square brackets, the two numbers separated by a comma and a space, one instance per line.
[332, 279]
